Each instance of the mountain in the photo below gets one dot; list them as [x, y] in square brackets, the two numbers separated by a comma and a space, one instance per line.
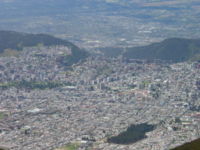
[17, 41]
[173, 49]
[194, 145]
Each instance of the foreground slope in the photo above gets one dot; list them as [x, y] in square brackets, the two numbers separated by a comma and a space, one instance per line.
[17, 41]
[194, 145]
[174, 49]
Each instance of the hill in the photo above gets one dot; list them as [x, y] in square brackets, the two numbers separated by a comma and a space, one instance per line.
[17, 41]
[174, 49]
[194, 145]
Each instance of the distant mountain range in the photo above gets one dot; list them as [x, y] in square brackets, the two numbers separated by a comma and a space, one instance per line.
[174, 49]
[194, 145]
[17, 41]
[107, 21]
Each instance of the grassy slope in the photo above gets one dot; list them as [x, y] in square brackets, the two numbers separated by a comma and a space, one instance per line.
[195, 145]
[174, 49]
[17, 41]
[71, 146]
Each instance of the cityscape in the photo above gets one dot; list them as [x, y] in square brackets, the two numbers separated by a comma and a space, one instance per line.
[99, 75]
[103, 97]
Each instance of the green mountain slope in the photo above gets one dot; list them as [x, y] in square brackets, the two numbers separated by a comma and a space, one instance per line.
[17, 41]
[194, 145]
[174, 49]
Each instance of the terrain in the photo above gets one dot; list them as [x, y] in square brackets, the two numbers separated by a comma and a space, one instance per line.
[46, 106]
[171, 50]
[194, 145]
[99, 102]
[13, 42]
[174, 50]
[17, 41]
[55, 95]
[99, 23]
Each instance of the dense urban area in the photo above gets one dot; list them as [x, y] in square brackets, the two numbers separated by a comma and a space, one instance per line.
[44, 105]
[128, 81]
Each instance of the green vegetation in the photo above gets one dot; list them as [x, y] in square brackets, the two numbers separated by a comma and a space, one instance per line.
[146, 83]
[71, 146]
[9, 53]
[133, 134]
[16, 41]
[1, 115]
[195, 58]
[104, 70]
[195, 145]
[174, 49]
[32, 85]
[3, 148]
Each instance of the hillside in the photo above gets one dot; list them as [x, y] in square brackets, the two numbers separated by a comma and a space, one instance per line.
[17, 41]
[174, 49]
[194, 145]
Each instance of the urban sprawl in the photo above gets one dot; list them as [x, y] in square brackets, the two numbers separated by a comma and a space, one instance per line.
[95, 99]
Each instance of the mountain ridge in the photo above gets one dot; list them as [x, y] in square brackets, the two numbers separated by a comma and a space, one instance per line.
[18, 40]
[172, 49]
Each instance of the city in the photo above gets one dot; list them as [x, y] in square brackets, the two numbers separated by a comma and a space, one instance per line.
[99, 98]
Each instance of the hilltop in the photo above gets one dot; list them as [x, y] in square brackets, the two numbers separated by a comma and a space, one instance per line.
[173, 49]
[16, 41]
